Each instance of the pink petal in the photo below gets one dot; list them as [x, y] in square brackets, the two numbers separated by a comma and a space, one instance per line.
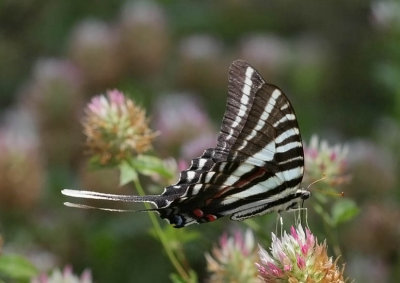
[274, 269]
[86, 276]
[310, 238]
[304, 249]
[239, 241]
[294, 233]
[261, 268]
[223, 240]
[312, 152]
[300, 262]
[116, 97]
[43, 278]
[67, 271]
[182, 164]
[95, 105]
[287, 267]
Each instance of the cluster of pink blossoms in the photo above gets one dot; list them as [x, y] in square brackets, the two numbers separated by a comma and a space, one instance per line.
[324, 160]
[116, 128]
[233, 260]
[297, 257]
[65, 276]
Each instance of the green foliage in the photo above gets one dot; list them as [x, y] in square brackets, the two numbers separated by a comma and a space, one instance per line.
[343, 211]
[127, 173]
[151, 165]
[146, 165]
[16, 267]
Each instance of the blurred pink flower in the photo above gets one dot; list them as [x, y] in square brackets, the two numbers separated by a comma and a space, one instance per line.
[373, 168]
[323, 160]
[233, 260]
[55, 97]
[55, 92]
[184, 126]
[22, 174]
[269, 53]
[297, 257]
[115, 128]
[196, 146]
[94, 49]
[66, 276]
[383, 238]
[201, 47]
[202, 64]
[144, 37]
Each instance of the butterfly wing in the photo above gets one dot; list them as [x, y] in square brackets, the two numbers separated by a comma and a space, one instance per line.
[255, 168]
[258, 162]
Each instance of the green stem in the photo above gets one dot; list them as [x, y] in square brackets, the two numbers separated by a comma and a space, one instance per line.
[330, 229]
[332, 233]
[157, 227]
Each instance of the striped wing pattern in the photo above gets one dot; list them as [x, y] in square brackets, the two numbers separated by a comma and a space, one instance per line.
[256, 167]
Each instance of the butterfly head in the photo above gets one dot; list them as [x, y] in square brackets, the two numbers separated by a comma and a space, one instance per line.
[303, 193]
[297, 200]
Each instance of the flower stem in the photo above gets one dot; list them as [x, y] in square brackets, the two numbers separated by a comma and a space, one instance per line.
[157, 227]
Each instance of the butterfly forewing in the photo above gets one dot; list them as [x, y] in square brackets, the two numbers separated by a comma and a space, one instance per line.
[258, 163]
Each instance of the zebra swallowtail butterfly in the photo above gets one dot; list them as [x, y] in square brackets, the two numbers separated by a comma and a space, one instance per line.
[256, 167]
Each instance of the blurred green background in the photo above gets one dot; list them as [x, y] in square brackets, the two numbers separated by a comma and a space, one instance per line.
[338, 61]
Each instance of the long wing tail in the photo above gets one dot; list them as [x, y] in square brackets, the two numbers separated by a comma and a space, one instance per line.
[156, 200]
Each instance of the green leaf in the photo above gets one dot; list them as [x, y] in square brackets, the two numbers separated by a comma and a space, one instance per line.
[343, 211]
[127, 173]
[149, 165]
[17, 267]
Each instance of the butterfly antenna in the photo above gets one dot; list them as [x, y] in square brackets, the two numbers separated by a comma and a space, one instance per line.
[341, 194]
[316, 181]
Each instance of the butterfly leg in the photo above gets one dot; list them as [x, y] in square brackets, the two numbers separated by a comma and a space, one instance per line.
[299, 215]
[279, 221]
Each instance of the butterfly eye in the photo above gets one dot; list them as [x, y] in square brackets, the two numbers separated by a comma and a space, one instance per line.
[305, 194]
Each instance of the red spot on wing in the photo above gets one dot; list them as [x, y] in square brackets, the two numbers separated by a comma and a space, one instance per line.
[198, 213]
[211, 217]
